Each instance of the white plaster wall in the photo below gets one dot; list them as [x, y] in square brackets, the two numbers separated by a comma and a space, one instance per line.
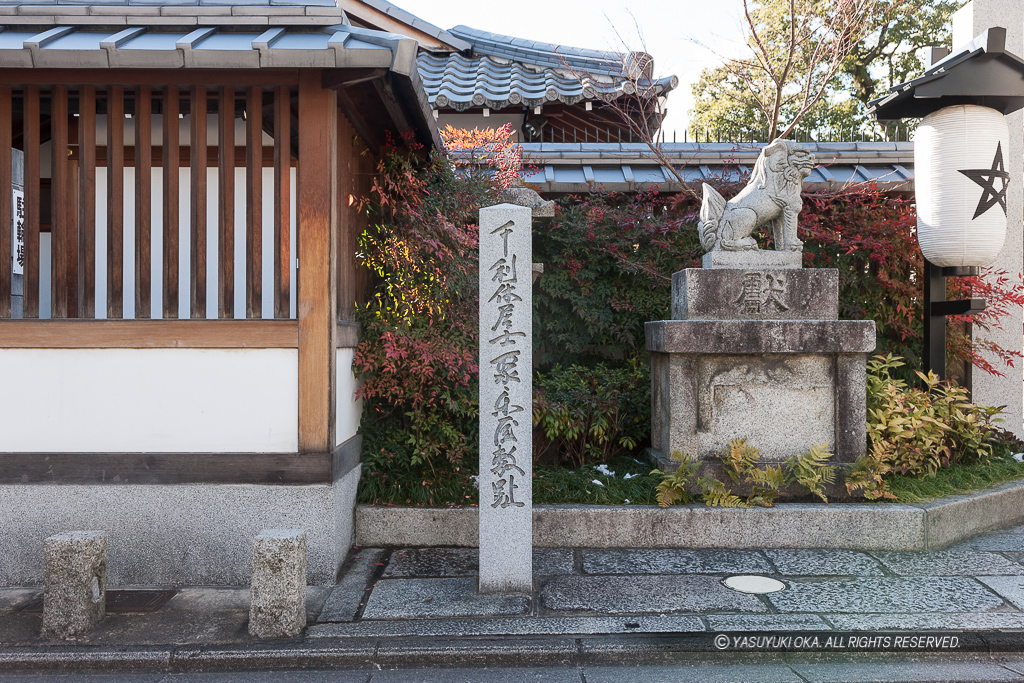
[347, 409]
[149, 400]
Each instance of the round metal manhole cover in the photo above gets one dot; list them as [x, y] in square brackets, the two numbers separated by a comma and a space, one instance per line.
[756, 585]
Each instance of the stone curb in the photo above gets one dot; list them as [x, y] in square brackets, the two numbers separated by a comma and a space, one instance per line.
[454, 652]
[850, 526]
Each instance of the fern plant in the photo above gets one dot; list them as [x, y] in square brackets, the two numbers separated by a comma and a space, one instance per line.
[740, 459]
[812, 470]
[717, 495]
[672, 488]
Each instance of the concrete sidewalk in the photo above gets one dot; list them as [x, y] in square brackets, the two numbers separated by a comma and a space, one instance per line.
[395, 608]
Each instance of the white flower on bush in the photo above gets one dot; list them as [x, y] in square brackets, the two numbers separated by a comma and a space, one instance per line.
[603, 469]
[629, 476]
[595, 481]
[1019, 457]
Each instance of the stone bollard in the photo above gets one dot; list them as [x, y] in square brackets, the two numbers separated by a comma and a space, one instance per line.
[75, 596]
[278, 602]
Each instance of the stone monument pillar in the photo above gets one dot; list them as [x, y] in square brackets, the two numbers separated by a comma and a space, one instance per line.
[755, 348]
[972, 20]
[506, 400]
[18, 237]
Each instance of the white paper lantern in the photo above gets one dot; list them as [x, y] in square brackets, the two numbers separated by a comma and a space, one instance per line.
[960, 163]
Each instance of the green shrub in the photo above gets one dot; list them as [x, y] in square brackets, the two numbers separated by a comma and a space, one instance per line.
[915, 432]
[591, 414]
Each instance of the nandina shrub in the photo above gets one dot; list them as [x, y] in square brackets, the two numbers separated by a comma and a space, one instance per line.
[417, 357]
[591, 414]
[608, 263]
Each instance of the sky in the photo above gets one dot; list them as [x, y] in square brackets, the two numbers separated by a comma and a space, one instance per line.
[675, 33]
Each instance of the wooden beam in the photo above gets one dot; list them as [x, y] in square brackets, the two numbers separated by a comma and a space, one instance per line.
[184, 156]
[347, 194]
[6, 229]
[60, 258]
[143, 199]
[120, 469]
[254, 203]
[317, 246]
[170, 202]
[115, 202]
[33, 204]
[358, 122]
[282, 201]
[343, 78]
[87, 202]
[226, 204]
[393, 105]
[149, 334]
[197, 215]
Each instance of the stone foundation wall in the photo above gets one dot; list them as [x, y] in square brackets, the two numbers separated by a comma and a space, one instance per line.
[176, 535]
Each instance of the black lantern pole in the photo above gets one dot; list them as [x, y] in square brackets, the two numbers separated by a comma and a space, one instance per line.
[935, 310]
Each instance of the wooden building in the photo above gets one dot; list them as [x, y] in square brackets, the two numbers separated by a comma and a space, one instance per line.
[176, 342]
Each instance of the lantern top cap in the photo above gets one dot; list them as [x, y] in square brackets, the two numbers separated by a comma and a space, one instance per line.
[981, 72]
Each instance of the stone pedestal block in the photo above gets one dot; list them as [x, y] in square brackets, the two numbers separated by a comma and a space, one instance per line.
[760, 258]
[75, 596]
[278, 601]
[783, 384]
[755, 294]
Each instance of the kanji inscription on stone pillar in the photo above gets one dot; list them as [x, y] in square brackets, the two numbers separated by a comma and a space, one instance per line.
[506, 400]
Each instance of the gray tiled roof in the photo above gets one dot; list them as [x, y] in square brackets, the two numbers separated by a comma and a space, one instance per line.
[172, 13]
[582, 167]
[504, 71]
[541, 54]
[139, 46]
[171, 3]
[457, 82]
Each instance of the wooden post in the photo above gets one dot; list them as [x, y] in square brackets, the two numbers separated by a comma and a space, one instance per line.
[87, 202]
[32, 202]
[197, 218]
[60, 259]
[226, 203]
[282, 201]
[346, 220]
[316, 246]
[143, 199]
[171, 162]
[254, 203]
[115, 202]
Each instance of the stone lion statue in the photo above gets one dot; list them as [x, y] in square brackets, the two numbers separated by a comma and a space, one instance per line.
[773, 194]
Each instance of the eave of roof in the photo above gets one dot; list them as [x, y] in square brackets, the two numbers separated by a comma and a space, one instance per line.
[249, 43]
[981, 72]
[587, 167]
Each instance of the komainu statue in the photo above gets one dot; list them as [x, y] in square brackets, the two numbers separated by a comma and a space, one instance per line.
[773, 194]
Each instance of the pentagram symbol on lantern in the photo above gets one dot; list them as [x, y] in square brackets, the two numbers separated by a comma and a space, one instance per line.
[986, 179]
